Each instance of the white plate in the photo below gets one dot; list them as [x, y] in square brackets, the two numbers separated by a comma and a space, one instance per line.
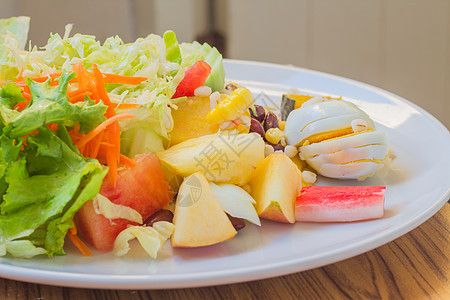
[417, 187]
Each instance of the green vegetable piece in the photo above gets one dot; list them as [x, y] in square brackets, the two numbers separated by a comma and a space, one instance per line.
[173, 53]
[50, 105]
[195, 51]
[45, 189]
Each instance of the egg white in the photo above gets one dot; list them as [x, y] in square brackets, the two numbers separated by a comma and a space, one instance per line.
[322, 117]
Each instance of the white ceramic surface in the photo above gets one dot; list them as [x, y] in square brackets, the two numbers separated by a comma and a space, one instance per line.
[417, 186]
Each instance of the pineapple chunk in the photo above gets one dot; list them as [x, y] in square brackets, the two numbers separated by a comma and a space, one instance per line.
[226, 157]
[189, 120]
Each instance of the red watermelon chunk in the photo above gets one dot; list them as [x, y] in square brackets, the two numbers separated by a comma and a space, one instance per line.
[143, 188]
[194, 77]
[339, 204]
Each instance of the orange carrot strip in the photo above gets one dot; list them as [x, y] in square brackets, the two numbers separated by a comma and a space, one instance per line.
[125, 105]
[21, 105]
[80, 97]
[26, 95]
[96, 145]
[85, 80]
[122, 79]
[124, 160]
[77, 92]
[79, 244]
[20, 77]
[113, 134]
[72, 234]
[111, 161]
[73, 230]
[102, 126]
[100, 84]
[115, 140]
[105, 144]
[52, 126]
[82, 150]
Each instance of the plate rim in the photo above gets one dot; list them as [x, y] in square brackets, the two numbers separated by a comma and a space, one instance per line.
[243, 274]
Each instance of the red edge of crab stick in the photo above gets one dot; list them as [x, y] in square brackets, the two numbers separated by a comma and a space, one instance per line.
[339, 204]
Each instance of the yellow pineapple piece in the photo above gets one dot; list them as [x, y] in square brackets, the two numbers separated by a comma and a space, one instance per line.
[189, 120]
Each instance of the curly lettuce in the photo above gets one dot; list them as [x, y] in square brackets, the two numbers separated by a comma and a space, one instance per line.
[44, 180]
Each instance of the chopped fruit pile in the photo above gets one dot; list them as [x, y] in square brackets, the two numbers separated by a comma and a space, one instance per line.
[105, 143]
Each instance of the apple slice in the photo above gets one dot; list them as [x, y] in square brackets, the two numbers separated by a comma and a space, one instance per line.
[235, 201]
[199, 219]
[275, 185]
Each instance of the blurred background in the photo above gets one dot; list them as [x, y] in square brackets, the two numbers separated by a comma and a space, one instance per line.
[402, 46]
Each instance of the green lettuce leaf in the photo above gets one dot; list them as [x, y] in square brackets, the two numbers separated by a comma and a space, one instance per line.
[44, 180]
[192, 52]
[49, 105]
[45, 189]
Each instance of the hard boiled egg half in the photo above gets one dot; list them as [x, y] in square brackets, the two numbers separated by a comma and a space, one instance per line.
[336, 138]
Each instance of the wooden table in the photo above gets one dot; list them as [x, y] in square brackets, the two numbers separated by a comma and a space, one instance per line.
[414, 266]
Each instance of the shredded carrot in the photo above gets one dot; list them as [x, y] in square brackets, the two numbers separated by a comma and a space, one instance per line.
[72, 234]
[21, 105]
[103, 142]
[20, 77]
[53, 126]
[125, 105]
[77, 92]
[85, 80]
[102, 127]
[127, 161]
[79, 97]
[111, 161]
[121, 79]
[26, 95]
[96, 145]
[101, 89]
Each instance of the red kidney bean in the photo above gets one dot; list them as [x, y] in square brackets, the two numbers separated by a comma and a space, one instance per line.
[271, 121]
[257, 112]
[238, 223]
[276, 147]
[160, 215]
[255, 126]
[230, 87]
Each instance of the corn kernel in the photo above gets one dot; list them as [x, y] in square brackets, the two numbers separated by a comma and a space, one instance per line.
[282, 124]
[274, 135]
[231, 106]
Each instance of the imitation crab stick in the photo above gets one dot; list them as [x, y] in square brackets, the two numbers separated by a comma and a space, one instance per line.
[339, 203]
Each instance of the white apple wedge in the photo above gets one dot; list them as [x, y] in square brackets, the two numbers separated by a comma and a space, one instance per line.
[199, 219]
[236, 202]
[275, 185]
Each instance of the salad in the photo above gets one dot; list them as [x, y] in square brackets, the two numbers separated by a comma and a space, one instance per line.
[105, 143]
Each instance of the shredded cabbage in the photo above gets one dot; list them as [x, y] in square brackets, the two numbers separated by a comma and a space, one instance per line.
[150, 238]
[160, 59]
[103, 206]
